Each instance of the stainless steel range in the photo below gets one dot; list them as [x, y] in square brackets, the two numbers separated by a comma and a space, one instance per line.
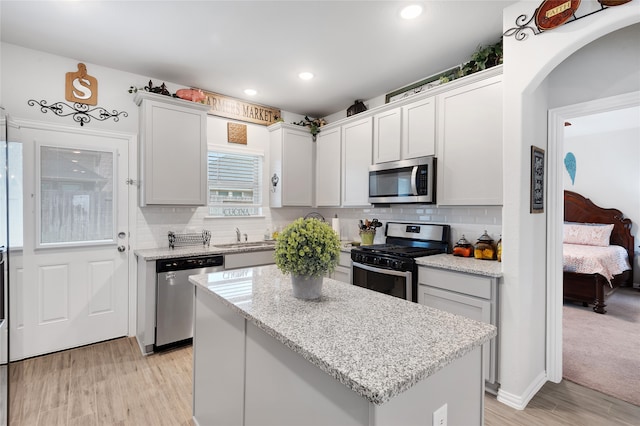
[391, 268]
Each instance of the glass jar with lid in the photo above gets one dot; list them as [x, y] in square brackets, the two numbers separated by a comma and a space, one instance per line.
[463, 248]
[485, 248]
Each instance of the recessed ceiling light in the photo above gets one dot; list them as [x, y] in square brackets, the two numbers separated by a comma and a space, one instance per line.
[250, 92]
[411, 11]
[305, 75]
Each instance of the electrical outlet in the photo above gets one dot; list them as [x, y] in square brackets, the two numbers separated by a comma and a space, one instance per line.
[440, 416]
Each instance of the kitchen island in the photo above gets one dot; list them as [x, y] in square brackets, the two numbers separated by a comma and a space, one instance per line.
[353, 357]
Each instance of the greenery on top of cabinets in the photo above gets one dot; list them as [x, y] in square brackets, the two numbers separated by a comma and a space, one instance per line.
[484, 57]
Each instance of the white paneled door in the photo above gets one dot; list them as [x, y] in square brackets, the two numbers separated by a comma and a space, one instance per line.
[70, 287]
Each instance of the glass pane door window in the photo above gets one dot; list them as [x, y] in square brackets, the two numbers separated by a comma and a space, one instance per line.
[75, 196]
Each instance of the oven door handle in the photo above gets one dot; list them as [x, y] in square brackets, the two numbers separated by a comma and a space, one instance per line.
[382, 270]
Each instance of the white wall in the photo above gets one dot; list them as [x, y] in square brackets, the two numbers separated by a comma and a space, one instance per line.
[608, 170]
[528, 95]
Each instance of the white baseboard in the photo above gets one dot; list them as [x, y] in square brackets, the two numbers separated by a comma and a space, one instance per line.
[519, 402]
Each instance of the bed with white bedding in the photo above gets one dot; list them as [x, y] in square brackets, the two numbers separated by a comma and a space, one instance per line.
[597, 251]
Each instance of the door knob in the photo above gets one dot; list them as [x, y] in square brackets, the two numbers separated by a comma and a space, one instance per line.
[121, 248]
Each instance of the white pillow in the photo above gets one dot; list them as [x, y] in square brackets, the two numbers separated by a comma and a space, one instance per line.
[587, 234]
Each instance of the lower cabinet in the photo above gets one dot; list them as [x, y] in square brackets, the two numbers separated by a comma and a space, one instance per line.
[343, 270]
[472, 296]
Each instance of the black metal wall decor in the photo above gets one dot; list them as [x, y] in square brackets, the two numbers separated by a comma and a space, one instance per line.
[551, 14]
[81, 113]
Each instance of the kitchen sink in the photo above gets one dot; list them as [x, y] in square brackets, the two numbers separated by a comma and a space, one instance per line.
[250, 244]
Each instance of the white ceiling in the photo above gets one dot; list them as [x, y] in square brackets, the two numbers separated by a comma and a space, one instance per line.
[356, 49]
[604, 122]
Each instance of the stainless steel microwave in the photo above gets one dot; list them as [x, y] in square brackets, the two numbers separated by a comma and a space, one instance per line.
[407, 181]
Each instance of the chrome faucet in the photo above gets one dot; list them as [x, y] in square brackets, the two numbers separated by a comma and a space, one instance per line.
[237, 235]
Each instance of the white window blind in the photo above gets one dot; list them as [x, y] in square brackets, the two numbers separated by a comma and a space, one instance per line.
[235, 184]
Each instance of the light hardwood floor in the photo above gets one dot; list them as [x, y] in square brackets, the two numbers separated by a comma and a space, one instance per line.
[111, 383]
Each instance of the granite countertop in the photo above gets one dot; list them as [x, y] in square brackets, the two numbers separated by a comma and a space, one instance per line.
[470, 265]
[169, 253]
[375, 344]
[346, 247]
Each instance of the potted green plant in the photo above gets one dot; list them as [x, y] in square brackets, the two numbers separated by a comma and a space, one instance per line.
[307, 249]
[313, 125]
[484, 57]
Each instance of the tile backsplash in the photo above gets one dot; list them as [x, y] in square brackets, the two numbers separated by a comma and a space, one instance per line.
[153, 222]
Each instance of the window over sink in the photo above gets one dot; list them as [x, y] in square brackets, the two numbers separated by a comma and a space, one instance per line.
[234, 184]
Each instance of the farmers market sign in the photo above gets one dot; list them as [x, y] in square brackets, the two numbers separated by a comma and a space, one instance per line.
[224, 106]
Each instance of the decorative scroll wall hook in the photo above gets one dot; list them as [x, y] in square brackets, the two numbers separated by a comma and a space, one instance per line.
[81, 113]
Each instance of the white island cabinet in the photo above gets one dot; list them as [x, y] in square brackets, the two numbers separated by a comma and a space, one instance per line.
[355, 357]
[173, 150]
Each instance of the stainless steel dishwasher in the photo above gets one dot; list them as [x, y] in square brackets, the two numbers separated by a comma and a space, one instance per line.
[175, 297]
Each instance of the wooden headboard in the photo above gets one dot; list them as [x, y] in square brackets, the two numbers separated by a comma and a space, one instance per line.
[580, 209]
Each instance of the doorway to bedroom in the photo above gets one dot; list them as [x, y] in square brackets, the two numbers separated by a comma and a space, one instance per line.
[597, 154]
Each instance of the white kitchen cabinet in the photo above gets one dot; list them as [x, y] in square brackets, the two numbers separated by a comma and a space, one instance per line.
[173, 150]
[387, 136]
[419, 128]
[291, 166]
[356, 159]
[328, 156]
[470, 144]
[470, 295]
[405, 132]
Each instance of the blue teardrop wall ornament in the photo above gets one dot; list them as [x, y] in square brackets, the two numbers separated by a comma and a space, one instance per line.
[570, 164]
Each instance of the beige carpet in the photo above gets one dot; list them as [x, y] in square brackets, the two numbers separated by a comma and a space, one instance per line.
[602, 352]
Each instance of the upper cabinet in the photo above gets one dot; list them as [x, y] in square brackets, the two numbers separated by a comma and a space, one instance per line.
[470, 144]
[356, 159]
[173, 150]
[387, 136]
[405, 132]
[291, 166]
[328, 170]
[419, 128]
